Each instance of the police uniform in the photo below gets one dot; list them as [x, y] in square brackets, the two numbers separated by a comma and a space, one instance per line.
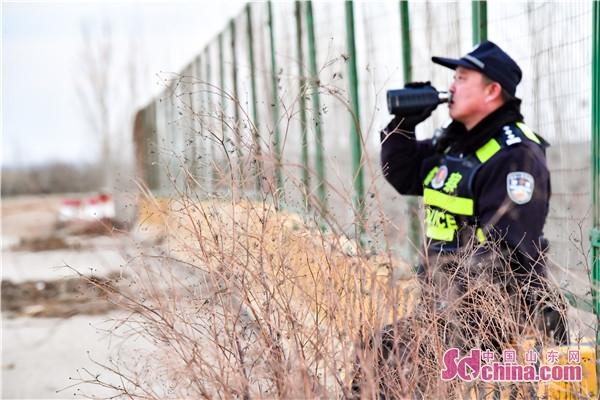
[496, 187]
[489, 186]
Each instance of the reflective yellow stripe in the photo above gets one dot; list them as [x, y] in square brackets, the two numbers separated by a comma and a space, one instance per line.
[486, 151]
[440, 233]
[480, 235]
[528, 132]
[456, 205]
[430, 175]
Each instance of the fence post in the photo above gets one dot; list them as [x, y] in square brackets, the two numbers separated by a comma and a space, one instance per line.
[150, 152]
[257, 153]
[355, 139]
[595, 234]
[301, 103]
[316, 106]
[236, 109]
[405, 34]
[479, 17]
[223, 100]
[211, 172]
[171, 137]
[412, 204]
[275, 104]
[191, 142]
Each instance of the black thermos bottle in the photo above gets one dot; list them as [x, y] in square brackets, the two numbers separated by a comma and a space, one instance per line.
[414, 100]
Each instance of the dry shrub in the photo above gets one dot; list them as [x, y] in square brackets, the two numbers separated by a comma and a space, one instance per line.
[257, 303]
[467, 301]
[240, 299]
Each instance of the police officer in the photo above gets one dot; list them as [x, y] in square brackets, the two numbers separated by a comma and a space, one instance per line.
[486, 188]
[484, 179]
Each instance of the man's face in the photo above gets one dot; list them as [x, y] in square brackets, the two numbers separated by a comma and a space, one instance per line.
[468, 95]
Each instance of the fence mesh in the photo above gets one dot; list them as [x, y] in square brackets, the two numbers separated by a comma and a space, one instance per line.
[204, 119]
[552, 44]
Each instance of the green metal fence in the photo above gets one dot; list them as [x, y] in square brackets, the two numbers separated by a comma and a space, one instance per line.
[289, 99]
[595, 160]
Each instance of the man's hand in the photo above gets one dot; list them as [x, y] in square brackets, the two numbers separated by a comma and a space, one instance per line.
[405, 124]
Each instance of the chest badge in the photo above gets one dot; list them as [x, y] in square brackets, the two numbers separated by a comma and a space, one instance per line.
[440, 177]
[519, 186]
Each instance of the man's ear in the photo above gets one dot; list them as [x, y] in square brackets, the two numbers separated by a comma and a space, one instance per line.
[493, 92]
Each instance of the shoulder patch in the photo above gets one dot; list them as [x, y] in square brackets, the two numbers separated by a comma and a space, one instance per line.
[519, 186]
[510, 137]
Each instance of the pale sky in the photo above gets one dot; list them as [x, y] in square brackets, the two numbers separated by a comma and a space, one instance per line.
[41, 45]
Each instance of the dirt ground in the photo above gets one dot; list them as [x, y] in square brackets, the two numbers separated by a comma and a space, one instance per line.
[54, 320]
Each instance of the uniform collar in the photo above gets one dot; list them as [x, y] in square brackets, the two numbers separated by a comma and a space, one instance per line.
[466, 142]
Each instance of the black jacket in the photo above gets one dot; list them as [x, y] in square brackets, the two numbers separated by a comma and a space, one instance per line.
[406, 160]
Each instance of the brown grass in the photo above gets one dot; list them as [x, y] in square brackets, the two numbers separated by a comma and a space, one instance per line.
[241, 299]
[249, 302]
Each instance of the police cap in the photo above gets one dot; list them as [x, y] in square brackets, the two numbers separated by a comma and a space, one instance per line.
[490, 60]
